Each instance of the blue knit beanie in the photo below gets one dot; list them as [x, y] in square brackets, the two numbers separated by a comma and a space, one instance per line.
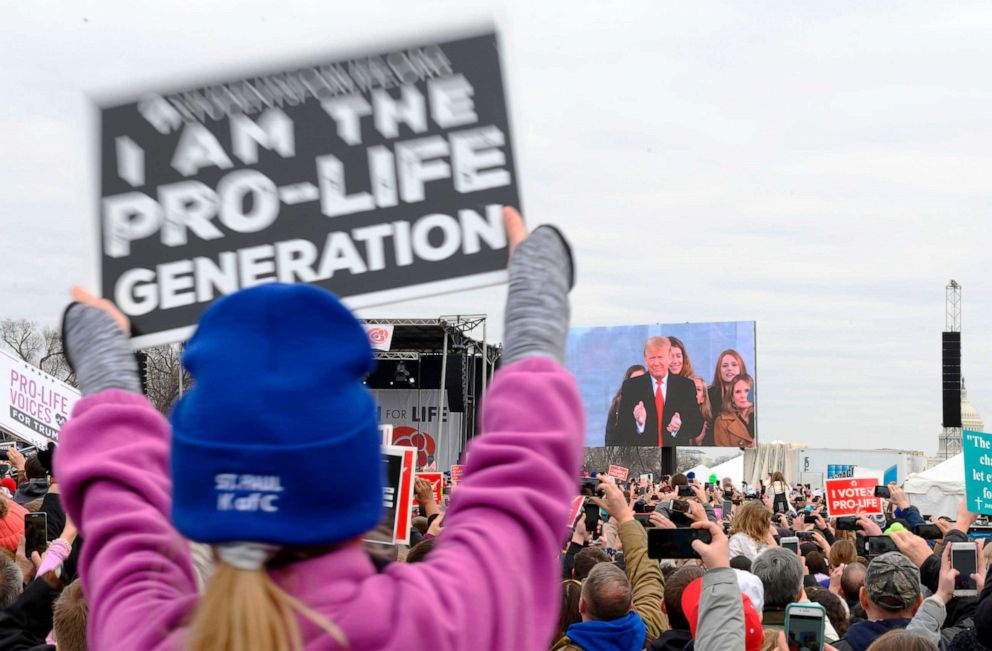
[277, 415]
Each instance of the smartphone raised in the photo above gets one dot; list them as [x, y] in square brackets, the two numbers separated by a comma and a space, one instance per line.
[878, 545]
[809, 518]
[883, 491]
[728, 509]
[804, 626]
[35, 533]
[644, 519]
[686, 491]
[847, 523]
[928, 531]
[964, 559]
[791, 543]
[675, 543]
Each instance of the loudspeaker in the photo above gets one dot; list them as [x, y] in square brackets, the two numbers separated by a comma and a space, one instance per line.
[951, 357]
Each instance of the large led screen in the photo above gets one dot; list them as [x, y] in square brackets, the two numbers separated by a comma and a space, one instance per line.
[698, 377]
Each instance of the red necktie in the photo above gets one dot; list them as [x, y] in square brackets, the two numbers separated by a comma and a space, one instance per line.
[659, 405]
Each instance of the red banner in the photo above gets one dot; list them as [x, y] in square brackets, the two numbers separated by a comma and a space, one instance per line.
[852, 496]
[618, 472]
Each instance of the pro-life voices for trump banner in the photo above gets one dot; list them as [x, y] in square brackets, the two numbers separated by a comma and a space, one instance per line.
[34, 405]
[380, 177]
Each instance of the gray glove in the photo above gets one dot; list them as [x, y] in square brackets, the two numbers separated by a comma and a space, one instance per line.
[537, 310]
[98, 351]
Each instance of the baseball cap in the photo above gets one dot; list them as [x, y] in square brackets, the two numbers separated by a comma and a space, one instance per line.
[754, 635]
[892, 581]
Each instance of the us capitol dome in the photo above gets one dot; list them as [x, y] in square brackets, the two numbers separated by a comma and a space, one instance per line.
[950, 438]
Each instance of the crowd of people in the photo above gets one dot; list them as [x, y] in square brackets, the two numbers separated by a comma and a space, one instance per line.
[736, 593]
[239, 523]
[665, 403]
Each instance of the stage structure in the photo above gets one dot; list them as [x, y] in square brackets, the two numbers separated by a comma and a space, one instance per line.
[450, 352]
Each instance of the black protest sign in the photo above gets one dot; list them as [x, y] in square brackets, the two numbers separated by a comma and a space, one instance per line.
[380, 178]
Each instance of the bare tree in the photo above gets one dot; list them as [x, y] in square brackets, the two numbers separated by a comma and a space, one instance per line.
[38, 346]
[163, 379]
[639, 460]
[42, 347]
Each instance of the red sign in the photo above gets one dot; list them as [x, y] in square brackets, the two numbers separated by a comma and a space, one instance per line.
[618, 472]
[435, 479]
[457, 471]
[852, 496]
[573, 511]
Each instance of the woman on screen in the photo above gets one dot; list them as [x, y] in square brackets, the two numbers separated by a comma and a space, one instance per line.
[613, 417]
[680, 364]
[734, 427]
[706, 409]
[729, 365]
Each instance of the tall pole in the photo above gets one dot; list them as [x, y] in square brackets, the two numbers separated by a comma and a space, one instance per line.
[485, 360]
[444, 377]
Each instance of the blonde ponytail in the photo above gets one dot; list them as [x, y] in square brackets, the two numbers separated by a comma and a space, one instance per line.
[244, 610]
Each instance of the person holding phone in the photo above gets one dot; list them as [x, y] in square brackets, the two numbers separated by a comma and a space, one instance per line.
[751, 530]
[278, 395]
[891, 596]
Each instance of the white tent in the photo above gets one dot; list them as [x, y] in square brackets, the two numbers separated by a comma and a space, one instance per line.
[733, 468]
[702, 473]
[937, 491]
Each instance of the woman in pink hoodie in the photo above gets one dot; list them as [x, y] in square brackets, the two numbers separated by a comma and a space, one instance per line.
[275, 462]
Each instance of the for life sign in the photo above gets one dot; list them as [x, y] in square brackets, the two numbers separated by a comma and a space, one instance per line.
[380, 177]
[618, 472]
[34, 405]
[977, 471]
[457, 472]
[852, 496]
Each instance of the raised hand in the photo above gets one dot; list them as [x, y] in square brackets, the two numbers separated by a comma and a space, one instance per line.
[640, 414]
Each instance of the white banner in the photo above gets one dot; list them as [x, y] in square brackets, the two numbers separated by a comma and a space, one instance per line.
[380, 335]
[413, 413]
[34, 405]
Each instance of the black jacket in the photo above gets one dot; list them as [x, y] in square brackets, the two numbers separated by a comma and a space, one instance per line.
[26, 622]
[681, 398]
[674, 640]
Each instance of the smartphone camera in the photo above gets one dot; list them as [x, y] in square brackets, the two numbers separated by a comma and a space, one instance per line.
[964, 559]
[590, 487]
[883, 492]
[686, 491]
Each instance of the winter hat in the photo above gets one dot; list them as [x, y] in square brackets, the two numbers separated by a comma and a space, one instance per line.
[752, 586]
[754, 636]
[9, 484]
[277, 404]
[11, 524]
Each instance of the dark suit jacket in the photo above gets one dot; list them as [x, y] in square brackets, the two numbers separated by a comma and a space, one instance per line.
[681, 398]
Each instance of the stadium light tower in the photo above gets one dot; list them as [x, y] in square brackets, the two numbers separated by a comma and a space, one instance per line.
[950, 436]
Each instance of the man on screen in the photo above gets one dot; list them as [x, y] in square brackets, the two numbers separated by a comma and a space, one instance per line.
[657, 409]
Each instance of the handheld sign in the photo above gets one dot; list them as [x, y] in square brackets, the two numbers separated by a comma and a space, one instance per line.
[399, 465]
[457, 472]
[435, 478]
[380, 177]
[852, 496]
[34, 404]
[618, 472]
[977, 471]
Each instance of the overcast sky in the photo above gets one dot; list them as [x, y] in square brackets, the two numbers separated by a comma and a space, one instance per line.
[821, 168]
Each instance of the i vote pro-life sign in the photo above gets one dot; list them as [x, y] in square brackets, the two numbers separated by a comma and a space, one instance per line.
[850, 496]
[380, 177]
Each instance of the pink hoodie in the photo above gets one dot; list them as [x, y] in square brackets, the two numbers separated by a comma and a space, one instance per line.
[492, 581]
